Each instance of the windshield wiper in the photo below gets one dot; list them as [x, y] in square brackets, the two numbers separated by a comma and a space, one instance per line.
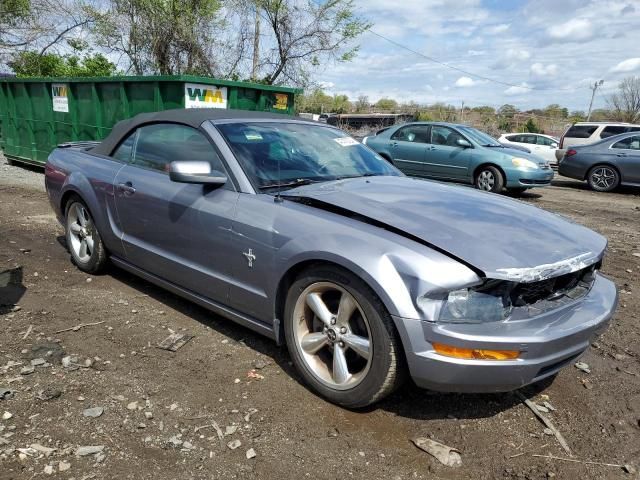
[493, 145]
[298, 182]
[360, 175]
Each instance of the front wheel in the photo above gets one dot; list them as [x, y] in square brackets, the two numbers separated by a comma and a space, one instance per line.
[83, 239]
[341, 338]
[489, 179]
[603, 178]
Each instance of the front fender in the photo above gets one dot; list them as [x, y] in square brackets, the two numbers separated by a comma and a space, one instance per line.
[398, 274]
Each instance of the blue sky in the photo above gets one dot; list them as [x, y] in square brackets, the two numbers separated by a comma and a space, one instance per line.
[550, 51]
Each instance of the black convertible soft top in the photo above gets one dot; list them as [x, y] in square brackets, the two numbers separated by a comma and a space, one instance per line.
[193, 117]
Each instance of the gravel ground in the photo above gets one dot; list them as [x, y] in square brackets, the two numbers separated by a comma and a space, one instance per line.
[154, 413]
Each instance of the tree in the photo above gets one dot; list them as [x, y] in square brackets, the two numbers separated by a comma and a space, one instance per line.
[578, 116]
[555, 111]
[362, 104]
[304, 33]
[315, 102]
[341, 104]
[530, 126]
[386, 104]
[41, 25]
[485, 110]
[32, 64]
[625, 103]
[164, 37]
[507, 111]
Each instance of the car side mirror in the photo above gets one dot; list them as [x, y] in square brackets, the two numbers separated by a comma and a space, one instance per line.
[554, 145]
[461, 142]
[195, 172]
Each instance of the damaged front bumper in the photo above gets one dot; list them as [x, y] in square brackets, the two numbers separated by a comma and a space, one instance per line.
[546, 343]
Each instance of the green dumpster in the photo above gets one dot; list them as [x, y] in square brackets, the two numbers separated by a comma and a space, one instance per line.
[36, 114]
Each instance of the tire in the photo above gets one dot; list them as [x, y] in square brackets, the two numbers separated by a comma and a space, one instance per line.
[362, 341]
[489, 179]
[603, 178]
[83, 239]
[517, 190]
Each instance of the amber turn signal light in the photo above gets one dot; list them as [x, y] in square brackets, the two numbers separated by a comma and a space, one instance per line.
[475, 353]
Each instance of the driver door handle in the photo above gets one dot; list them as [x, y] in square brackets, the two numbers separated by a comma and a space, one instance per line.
[621, 154]
[394, 144]
[431, 147]
[127, 188]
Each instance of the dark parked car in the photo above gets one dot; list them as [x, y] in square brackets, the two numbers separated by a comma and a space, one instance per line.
[460, 153]
[299, 232]
[605, 164]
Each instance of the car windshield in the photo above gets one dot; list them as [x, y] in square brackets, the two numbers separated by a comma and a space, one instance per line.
[289, 154]
[480, 137]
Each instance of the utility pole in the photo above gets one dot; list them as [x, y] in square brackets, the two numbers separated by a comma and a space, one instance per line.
[596, 84]
[256, 45]
[462, 112]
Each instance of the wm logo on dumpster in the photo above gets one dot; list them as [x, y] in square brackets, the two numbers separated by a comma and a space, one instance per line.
[60, 97]
[204, 96]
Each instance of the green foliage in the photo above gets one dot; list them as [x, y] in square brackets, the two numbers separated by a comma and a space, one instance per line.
[555, 111]
[485, 110]
[424, 117]
[13, 10]
[32, 64]
[531, 127]
[577, 116]
[507, 110]
[387, 104]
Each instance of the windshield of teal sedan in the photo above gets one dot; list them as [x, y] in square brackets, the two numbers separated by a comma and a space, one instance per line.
[480, 137]
[291, 154]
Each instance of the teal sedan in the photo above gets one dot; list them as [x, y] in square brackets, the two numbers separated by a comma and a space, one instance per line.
[459, 153]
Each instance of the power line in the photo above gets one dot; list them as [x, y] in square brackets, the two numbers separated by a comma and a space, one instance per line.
[467, 72]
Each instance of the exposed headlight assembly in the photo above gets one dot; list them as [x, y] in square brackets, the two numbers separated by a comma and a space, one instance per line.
[523, 163]
[470, 305]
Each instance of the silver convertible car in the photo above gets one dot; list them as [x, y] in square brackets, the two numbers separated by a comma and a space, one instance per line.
[297, 231]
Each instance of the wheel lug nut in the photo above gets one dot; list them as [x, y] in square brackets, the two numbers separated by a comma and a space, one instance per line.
[333, 320]
[341, 344]
[343, 330]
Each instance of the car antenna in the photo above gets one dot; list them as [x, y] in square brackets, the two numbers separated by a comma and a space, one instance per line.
[278, 198]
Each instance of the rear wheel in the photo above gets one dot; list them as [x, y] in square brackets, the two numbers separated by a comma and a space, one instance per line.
[603, 178]
[83, 239]
[341, 338]
[489, 179]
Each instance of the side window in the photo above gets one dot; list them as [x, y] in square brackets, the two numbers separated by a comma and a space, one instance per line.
[631, 143]
[412, 133]
[162, 143]
[612, 130]
[581, 131]
[444, 136]
[515, 138]
[544, 141]
[531, 139]
[123, 152]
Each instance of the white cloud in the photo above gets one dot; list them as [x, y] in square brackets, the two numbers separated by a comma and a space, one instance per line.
[540, 70]
[628, 65]
[575, 29]
[496, 29]
[517, 54]
[326, 85]
[524, 87]
[476, 53]
[464, 82]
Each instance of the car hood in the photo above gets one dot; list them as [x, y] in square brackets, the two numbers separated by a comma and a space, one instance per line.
[503, 238]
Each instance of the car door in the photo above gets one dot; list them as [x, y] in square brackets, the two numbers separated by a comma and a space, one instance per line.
[627, 159]
[177, 231]
[444, 157]
[545, 148]
[408, 146]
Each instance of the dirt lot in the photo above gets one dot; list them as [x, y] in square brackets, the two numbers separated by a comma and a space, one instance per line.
[159, 407]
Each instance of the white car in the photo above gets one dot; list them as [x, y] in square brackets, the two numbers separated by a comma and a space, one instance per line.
[543, 146]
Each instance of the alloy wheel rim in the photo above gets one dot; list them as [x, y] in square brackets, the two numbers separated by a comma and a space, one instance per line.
[332, 335]
[486, 180]
[80, 232]
[603, 178]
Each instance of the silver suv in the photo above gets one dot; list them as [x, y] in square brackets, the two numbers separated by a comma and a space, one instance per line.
[582, 133]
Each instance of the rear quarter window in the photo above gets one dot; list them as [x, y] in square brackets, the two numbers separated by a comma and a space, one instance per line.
[612, 130]
[581, 131]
